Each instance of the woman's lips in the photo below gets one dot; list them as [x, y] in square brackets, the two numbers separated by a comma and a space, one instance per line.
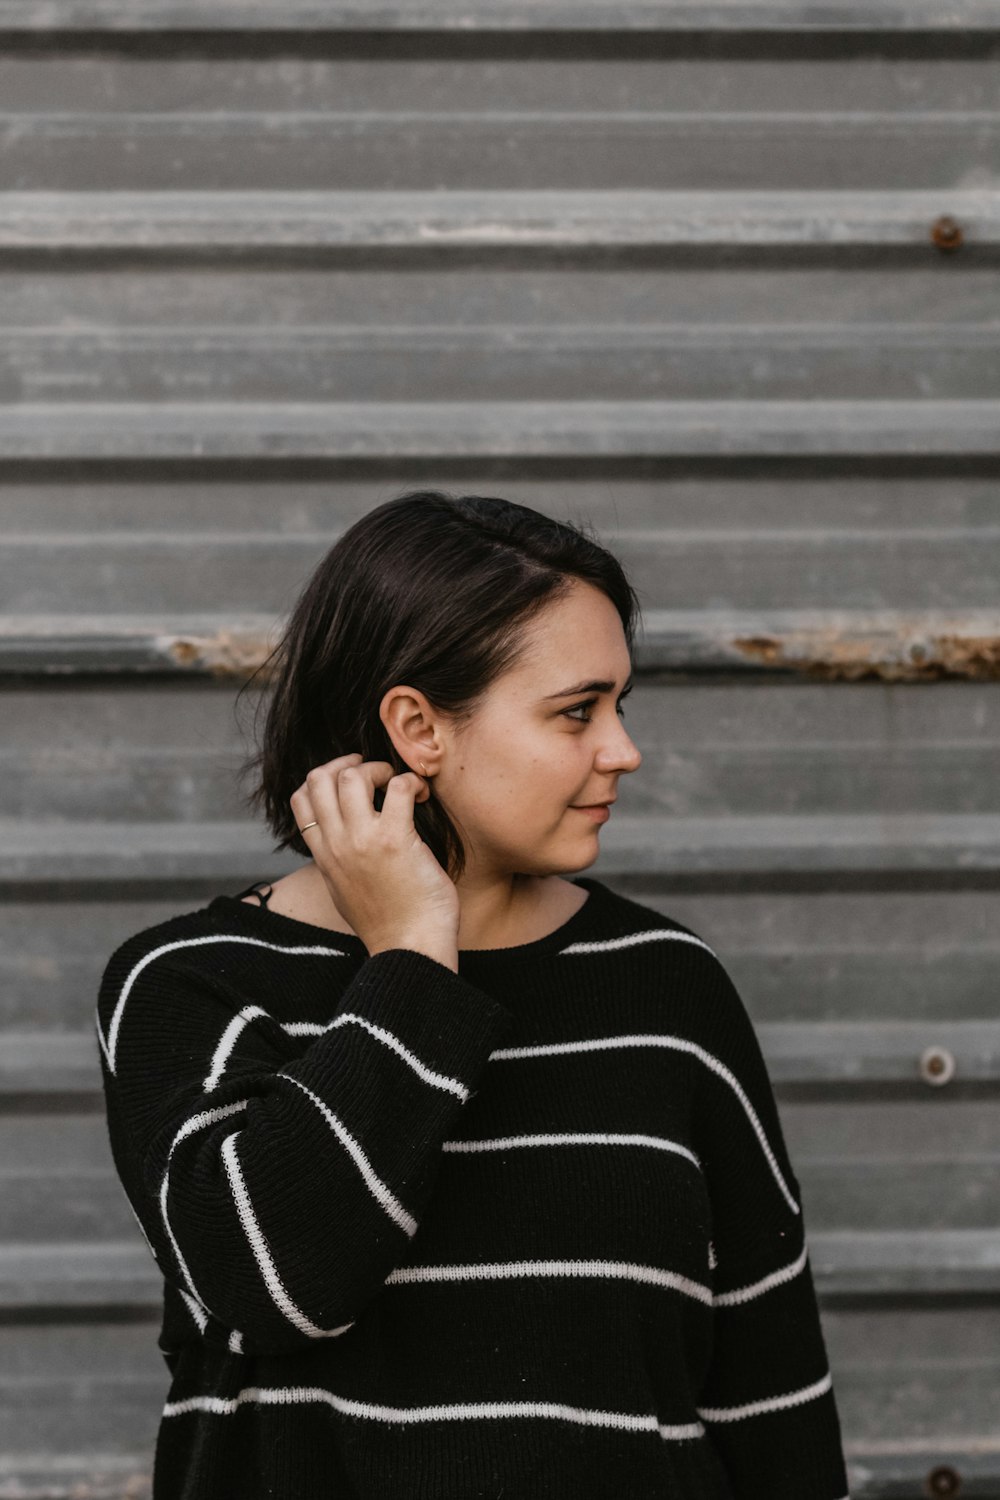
[600, 812]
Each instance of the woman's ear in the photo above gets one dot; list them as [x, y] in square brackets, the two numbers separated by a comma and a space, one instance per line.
[413, 727]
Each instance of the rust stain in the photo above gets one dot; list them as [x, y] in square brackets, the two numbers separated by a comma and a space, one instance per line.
[943, 1480]
[226, 654]
[825, 654]
[764, 647]
[972, 656]
[946, 233]
[831, 656]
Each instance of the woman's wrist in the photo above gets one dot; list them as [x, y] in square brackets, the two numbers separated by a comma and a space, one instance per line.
[444, 950]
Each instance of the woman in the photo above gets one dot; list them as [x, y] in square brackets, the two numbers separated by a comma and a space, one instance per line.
[464, 1173]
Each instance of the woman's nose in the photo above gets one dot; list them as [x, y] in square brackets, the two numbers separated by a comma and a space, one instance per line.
[624, 756]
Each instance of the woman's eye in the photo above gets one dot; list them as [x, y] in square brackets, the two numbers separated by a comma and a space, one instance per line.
[570, 713]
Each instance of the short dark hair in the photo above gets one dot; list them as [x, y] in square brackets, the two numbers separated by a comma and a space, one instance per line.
[428, 589]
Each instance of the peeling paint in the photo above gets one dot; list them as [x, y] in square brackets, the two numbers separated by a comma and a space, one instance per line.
[826, 654]
[833, 656]
[225, 654]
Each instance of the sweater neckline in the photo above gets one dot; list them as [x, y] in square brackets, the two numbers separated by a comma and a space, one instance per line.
[262, 918]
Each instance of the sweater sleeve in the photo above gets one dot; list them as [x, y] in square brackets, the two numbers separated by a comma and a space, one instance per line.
[767, 1400]
[279, 1187]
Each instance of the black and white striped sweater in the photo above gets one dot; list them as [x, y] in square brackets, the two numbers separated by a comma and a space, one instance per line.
[526, 1230]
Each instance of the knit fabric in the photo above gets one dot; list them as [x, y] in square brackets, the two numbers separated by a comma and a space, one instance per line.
[527, 1230]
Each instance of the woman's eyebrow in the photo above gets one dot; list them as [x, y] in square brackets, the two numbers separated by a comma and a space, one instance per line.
[586, 687]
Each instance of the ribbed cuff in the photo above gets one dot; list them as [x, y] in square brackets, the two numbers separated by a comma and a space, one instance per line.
[447, 1021]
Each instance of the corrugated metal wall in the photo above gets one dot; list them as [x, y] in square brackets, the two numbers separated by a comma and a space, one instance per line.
[722, 278]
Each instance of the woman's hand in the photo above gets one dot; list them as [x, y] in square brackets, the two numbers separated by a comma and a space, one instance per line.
[380, 874]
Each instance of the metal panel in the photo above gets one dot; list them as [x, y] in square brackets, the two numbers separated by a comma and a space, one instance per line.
[721, 280]
[552, 219]
[798, 16]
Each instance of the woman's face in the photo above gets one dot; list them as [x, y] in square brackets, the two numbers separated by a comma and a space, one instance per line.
[546, 739]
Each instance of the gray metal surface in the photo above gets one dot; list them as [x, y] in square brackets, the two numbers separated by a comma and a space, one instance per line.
[720, 279]
[520, 15]
[535, 219]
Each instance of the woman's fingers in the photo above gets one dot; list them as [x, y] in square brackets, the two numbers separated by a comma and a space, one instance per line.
[380, 873]
[316, 798]
[339, 796]
[355, 790]
[401, 794]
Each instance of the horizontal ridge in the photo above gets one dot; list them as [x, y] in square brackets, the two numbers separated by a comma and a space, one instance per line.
[394, 430]
[559, 219]
[497, 15]
[830, 645]
[938, 845]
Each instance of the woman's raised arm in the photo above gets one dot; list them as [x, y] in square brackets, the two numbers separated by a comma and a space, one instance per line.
[278, 1191]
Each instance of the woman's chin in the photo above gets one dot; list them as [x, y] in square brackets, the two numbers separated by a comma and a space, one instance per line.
[580, 861]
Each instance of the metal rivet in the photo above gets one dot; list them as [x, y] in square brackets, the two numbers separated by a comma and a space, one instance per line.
[937, 1065]
[943, 1480]
[946, 233]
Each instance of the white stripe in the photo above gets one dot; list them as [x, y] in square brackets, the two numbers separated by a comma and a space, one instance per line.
[583, 1138]
[734, 1083]
[293, 1395]
[681, 1430]
[619, 1270]
[195, 1309]
[758, 1288]
[193, 1123]
[236, 1342]
[657, 1039]
[202, 1118]
[771, 1403]
[110, 1047]
[100, 1038]
[656, 934]
[438, 1080]
[262, 1254]
[228, 1041]
[378, 1189]
[200, 1403]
